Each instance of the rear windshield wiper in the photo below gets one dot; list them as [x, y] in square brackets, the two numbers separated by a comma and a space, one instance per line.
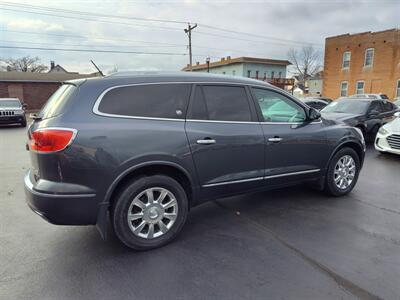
[35, 116]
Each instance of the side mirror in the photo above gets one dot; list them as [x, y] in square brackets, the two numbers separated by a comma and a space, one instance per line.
[397, 114]
[313, 114]
[373, 113]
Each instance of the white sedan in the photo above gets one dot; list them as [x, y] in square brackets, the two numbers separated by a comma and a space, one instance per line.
[388, 137]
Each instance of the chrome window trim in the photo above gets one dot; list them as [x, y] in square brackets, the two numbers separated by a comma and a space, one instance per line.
[99, 98]
[233, 181]
[292, 173]
[262, 178]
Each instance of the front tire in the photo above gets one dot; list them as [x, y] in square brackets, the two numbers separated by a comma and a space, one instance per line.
[343, 172]
[150, 212]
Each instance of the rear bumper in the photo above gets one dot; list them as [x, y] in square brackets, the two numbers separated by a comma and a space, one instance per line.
[61, 209]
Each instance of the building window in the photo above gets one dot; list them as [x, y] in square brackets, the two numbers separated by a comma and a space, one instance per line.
[265, 75]
[272, 74]
[343, 89]
[369, 57]
[233, 72]
[346, 60]
[359, 87]
[257, 74]
[280, 74]
[398, 88]
[248, 73]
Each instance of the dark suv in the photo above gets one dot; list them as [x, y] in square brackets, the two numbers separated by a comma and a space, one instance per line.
[143, 150]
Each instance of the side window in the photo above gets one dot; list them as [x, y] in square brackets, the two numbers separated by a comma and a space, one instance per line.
[276, 107]
[220, 103]
[376, 105]
[153, 100]
[387, 106]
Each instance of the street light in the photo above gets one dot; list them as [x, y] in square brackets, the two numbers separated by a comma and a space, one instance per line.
[208, 64]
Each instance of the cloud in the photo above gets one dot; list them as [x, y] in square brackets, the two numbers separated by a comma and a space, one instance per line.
[34, 24]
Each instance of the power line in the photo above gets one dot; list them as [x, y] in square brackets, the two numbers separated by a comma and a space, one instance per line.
[12, 4]
[157, 20]
[92, 50]
[91, 37]
[90, 20]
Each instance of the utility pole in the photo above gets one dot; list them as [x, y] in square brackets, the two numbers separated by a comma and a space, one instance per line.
[188, 31]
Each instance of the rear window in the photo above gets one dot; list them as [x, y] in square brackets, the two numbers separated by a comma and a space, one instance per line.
[151, 100]
[56, 103]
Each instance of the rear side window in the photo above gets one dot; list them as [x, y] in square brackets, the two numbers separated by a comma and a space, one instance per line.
[376, 105]
[221, 103]
[151, 100]
[57, 102]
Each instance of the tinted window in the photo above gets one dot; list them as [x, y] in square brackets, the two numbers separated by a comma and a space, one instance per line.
[387, 106]
[278, 108]
[376, 105]
[56, 103]
[221, 103]
[152, 100]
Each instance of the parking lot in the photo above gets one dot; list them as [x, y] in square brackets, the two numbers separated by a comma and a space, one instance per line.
[288, 244]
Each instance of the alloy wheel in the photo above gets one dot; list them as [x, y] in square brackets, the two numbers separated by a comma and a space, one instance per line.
[152, 213]
[345, 171]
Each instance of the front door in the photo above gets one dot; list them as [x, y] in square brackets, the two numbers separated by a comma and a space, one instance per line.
[226, 139]
[295, 149]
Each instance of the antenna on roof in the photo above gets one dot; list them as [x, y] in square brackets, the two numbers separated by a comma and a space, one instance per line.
[98, 69]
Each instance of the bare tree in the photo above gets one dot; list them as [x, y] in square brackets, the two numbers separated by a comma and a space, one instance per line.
[23, 64]
[306, 61]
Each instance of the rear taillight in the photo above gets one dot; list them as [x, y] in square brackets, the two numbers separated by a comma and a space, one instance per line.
[51, 139]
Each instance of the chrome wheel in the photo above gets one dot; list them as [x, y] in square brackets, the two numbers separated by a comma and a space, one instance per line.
[152, 213]
[345, 171]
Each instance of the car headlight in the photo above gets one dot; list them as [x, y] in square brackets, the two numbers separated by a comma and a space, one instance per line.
[18, 112]
[383, 131]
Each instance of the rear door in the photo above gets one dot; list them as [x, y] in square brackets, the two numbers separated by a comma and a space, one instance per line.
[226, 139]
[295, 149]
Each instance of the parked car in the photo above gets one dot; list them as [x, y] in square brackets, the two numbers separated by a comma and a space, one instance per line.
[370, 96]
[12, 111]
[316, 103]
[388, 137]
[366, 114]
[145, 149]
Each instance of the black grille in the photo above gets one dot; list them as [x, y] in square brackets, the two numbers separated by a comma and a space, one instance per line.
[6, 113]
[394, 141]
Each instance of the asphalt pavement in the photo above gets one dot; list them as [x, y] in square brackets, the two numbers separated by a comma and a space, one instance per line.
[294, 243]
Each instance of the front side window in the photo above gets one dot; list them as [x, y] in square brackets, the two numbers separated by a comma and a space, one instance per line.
[343, 89]
[360, 87]
[278, 108]
[369, 57]
[220, 103]
[151, 100]
[346, 60]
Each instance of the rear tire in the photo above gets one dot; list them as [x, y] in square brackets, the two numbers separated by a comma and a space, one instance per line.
[149, 224]
[343, 171]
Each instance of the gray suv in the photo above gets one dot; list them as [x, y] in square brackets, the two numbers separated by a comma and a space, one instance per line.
[12, 111]
[141, 151]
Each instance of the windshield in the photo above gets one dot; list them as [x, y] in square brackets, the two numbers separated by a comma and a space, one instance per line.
[347, 106]
[56, 103]
[10, 103]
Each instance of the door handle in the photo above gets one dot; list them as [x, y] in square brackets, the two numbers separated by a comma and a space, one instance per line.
[206, 141]
[275, 139]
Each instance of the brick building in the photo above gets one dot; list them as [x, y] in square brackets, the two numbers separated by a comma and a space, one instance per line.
[367, 62]
[34, 88]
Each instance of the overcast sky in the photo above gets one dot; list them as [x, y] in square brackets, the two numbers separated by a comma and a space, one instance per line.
[275, 27]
